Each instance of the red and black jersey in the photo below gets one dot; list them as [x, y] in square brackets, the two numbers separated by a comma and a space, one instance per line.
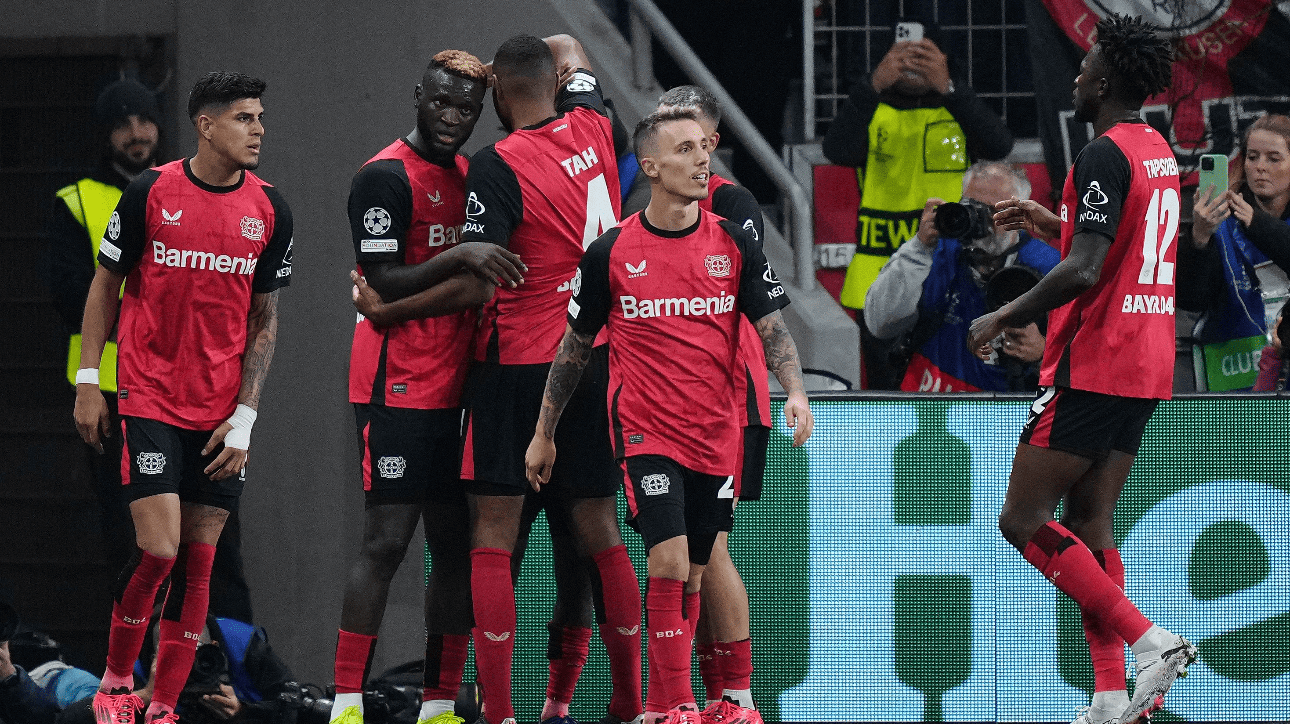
[736, 203]
[192, 254]
[671, 301]
[545, 192]
[1117, 338]
[406, 209]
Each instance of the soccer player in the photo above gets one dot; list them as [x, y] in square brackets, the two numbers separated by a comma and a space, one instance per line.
[203, 247]
[545, 191]
[669, 283]
[1108, 361]
[723, 640]
[407, 368]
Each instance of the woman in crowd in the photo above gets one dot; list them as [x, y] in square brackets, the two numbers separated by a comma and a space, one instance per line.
[1233, 269]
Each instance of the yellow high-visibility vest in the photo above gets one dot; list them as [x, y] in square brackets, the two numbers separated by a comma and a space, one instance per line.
[914, 154]
[92, 203]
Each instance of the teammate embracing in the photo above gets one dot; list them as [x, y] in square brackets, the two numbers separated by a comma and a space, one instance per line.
[670, 283]
[723, 638]
[545, 191]
[203, 247]
[1108, 361]
[408, 365]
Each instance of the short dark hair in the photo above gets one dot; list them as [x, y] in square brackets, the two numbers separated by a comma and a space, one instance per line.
[222, 88]
[692, 96]
[1136, 55]
[526, 56]
[647, 130]
[459, 63]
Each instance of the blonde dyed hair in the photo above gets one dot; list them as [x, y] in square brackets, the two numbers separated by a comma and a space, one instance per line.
[459, 62]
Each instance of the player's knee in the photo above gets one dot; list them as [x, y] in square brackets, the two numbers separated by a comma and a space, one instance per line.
[670, 559]
[1014, 528]
[384, 552]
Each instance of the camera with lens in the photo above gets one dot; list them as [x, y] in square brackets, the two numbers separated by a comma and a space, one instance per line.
[966, 221]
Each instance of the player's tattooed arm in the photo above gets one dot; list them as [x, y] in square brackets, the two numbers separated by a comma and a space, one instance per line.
[783, 362]
[781, 352]
[566, 370]
[261, 339]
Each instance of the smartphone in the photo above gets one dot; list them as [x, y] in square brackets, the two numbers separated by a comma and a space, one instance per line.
[1213, 172]
[909, 32]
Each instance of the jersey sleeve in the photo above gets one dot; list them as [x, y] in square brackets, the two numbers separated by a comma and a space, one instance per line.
[589, 307]
[1102, 178]
[127, 230]
[273, 270]
[380, 211]
[583, 89]
[736, 203]
[760, 291]
[494, 202]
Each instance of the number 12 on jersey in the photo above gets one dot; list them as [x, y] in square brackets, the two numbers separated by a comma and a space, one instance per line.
[600, 211]
[1162, 210]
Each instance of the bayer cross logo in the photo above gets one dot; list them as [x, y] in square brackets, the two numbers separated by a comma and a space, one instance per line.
[391, 466]
[376, 221]
[252, 228]
[151, 463]
[656, 484]
[718, 265]
[114, 226]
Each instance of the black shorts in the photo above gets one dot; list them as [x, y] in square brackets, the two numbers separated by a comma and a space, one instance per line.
[503, 407]
[161, 458]
[1088, 424]
[748, 478]
[666, 499]
[410, 456]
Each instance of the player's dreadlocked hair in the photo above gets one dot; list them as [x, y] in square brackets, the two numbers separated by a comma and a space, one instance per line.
[647, 130]
[459, 63]
[1140, 59]
[219, 89]
[692, 96]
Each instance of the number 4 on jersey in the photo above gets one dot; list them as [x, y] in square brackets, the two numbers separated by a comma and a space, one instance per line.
[600, 211]
[1162, 210]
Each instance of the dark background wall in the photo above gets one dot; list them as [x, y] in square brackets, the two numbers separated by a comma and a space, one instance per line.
[340, 77]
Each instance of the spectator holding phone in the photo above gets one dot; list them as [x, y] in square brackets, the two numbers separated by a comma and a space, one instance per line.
[911, 132]
[1233, 271]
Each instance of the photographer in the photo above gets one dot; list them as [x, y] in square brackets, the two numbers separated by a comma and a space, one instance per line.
[236, 676]
[927, 294]
[35, 684]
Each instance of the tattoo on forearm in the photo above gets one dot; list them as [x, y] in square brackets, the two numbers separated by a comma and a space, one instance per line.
[566, 370]
[261, 339]
[781, 352]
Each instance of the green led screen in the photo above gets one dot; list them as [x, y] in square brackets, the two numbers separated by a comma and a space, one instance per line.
[881, 590]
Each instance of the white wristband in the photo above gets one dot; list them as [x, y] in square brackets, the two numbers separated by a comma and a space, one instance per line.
[87, 376]
[240, 436]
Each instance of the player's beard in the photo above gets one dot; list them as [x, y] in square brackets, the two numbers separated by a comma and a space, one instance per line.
[132, 166]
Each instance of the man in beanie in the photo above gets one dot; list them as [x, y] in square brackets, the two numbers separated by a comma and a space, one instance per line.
[125, 116]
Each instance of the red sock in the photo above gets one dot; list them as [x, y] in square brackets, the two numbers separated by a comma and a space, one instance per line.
[670, 644]
[570, 645]
[691, 612]
[1069, 564]
[353, 661]
[182, 620]
[736, 664]
[445, 662]
[141, 577]
[710, 670]
[494, 602]
[1105, 648]
[621, 630]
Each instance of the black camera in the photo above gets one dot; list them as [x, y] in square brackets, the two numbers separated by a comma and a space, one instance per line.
[210, 670]
[964, 221]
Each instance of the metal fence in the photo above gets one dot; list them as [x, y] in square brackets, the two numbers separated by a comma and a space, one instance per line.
[843, 40]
